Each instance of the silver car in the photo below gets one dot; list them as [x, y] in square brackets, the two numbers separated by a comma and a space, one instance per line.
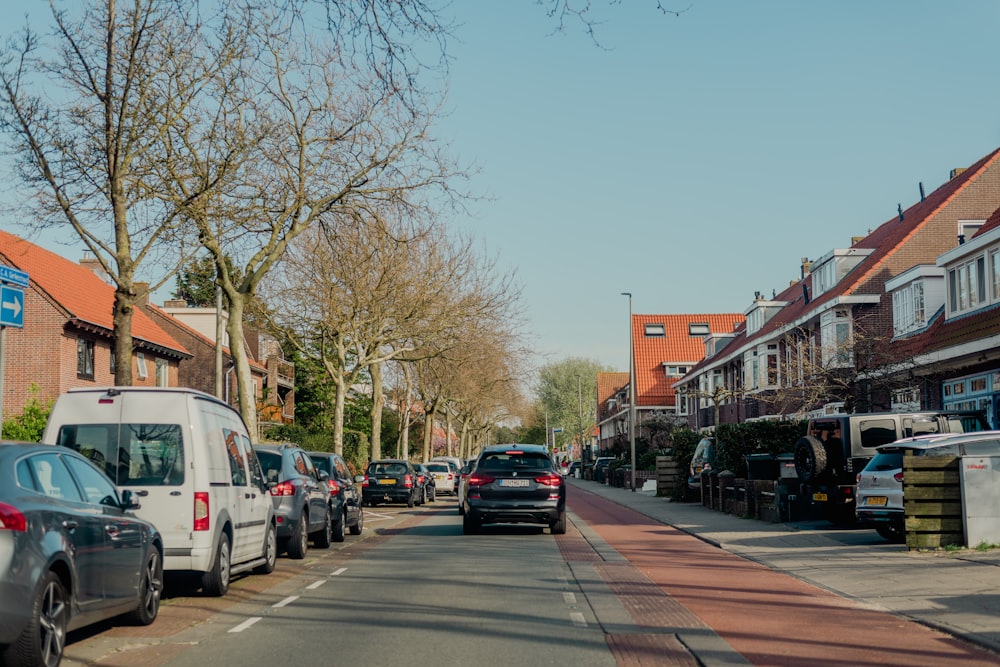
[880, 483]
[71, 554]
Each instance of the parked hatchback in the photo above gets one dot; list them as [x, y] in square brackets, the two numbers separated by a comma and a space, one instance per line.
[445, 477]
[299, 493]
[515, 484]
[880, 483]
[71, 553]
[346, 511]
[390, 481]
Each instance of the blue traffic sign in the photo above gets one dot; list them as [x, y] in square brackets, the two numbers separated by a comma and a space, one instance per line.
[11, 275]
[11, 306]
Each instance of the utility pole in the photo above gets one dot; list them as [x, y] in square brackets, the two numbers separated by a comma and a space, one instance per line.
[631, 389]
[579, 391]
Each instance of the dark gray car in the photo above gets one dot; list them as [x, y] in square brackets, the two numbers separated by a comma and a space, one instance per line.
[346, 509]
[300, 494]
[515, 484]
[70, 552]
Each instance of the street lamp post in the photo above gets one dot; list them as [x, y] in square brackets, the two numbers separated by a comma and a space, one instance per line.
[631, 389]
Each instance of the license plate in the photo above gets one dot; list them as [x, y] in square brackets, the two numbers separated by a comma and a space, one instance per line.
[876, 500]
[387, 481]
[514, 482]
[819, 497]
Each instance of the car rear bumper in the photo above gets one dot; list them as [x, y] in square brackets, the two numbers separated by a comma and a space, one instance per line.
[387, 495]
[485, 511]
[873, 516]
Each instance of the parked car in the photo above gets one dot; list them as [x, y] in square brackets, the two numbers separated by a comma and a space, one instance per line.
[346, 511]
[71, 552]
[390, 481]
[427, 482]
[463, 483]
[515, 484]
[187, 455]
[880, 483]
[574, 469]
[837, 447]
[445, 478]
[599, 471]
[300, 496]
[455, 462]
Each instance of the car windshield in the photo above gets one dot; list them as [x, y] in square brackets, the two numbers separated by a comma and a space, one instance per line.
[387, 469]
[513, 460]
[886, 461]
[438, 467]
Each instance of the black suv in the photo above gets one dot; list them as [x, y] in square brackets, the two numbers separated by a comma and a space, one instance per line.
[345, 497]
[514, 484]
[837, 447]
[300, 495]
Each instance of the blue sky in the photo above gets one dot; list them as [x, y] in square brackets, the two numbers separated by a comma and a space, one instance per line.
[694, 160]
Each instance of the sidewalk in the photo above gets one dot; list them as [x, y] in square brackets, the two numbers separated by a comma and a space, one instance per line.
[955, 592]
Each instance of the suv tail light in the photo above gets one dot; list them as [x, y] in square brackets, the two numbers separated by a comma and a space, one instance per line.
[408, 481]
[283, 489]
[898, 477]
[365, 483]
[333, 486]
[201, 520]
[478, 479]
[12, 518]
[549, 479]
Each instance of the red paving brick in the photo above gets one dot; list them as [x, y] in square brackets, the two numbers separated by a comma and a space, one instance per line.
[769, 617]
[655, 650]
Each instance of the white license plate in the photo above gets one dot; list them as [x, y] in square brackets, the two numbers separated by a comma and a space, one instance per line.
[514, 483]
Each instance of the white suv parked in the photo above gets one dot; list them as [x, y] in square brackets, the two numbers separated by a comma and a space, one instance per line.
[880, 483]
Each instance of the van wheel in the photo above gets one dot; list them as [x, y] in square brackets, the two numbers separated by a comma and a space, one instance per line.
[150, 590]
[215, 582]
[810, 458]
[360, 525]
[270, 552]
[323, 538]
[298, 544]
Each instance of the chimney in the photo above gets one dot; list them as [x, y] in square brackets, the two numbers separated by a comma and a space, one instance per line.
[955, 172]
[806, 267]
[921, 191]
[175, 303]
[142, 293]
[857, 239]
[899, 208]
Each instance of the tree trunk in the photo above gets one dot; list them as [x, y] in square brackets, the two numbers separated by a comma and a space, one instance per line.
[378, 402]
[238, 352]
[429, 432]
[124, 307]
[407, 407]
[447, 433]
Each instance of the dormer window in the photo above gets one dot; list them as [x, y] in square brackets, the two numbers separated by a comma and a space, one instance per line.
[699, 329]
[828, 270]
[655, 330]
[677, 371]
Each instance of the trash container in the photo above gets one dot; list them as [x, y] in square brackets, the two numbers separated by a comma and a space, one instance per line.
[762, 466]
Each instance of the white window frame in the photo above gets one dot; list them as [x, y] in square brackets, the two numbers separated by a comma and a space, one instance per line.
[140, 366]
[162, 373]
[836, 338]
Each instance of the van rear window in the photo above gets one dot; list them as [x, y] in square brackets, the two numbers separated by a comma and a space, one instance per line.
[130, 454]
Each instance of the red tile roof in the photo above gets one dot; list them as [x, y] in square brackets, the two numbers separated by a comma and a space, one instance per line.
[608, 385]
[676, 347]
[77, 290]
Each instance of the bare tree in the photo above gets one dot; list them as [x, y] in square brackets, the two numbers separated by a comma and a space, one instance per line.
[317, 143]
[87, 115]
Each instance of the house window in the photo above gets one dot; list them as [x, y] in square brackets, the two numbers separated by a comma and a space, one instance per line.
[140, 364]
[968, 228]
[162, 374]
[836, 338]
[674, 371]
[85, 358]
[995, 273]
[908, 308]
[656, 330]
[967, 285]
[699, 329]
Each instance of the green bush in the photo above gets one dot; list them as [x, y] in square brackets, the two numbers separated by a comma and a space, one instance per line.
[30, 424]
[734, 442]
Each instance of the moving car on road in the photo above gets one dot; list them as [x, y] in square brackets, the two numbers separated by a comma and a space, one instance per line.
[390, 481]
[71, 552]
[515, 484]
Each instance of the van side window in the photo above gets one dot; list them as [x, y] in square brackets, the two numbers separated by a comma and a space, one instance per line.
[130, 454]
[875, 432]
[256, 474]
[237, 463]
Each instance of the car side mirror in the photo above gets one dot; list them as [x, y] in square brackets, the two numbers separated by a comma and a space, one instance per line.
[323, 475]
[359, 478]
[129, 501]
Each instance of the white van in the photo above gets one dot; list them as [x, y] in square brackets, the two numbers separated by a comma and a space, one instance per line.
[187, 459]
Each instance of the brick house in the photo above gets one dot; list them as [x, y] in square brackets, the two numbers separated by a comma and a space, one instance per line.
[818, 320]
[665, 348]
[66, 341]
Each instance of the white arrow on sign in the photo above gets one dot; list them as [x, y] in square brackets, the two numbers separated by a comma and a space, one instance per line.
[14, 306]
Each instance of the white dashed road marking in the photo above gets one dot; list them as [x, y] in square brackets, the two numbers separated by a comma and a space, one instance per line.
[245, 624]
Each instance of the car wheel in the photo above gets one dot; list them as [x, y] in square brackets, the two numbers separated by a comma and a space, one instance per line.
[44, 637]
[323, 538]
[338, 528]
[360, 525]
[461, 508]
[421, 498]
[810, 458]
[433, 495]
[215, 582]
[270, 551]
[470, 524]
[891, 532]
[558, 527]
[410, 502]
[298, 545]
[150, 590]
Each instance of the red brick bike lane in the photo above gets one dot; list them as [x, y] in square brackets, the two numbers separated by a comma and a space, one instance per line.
[770, 618]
